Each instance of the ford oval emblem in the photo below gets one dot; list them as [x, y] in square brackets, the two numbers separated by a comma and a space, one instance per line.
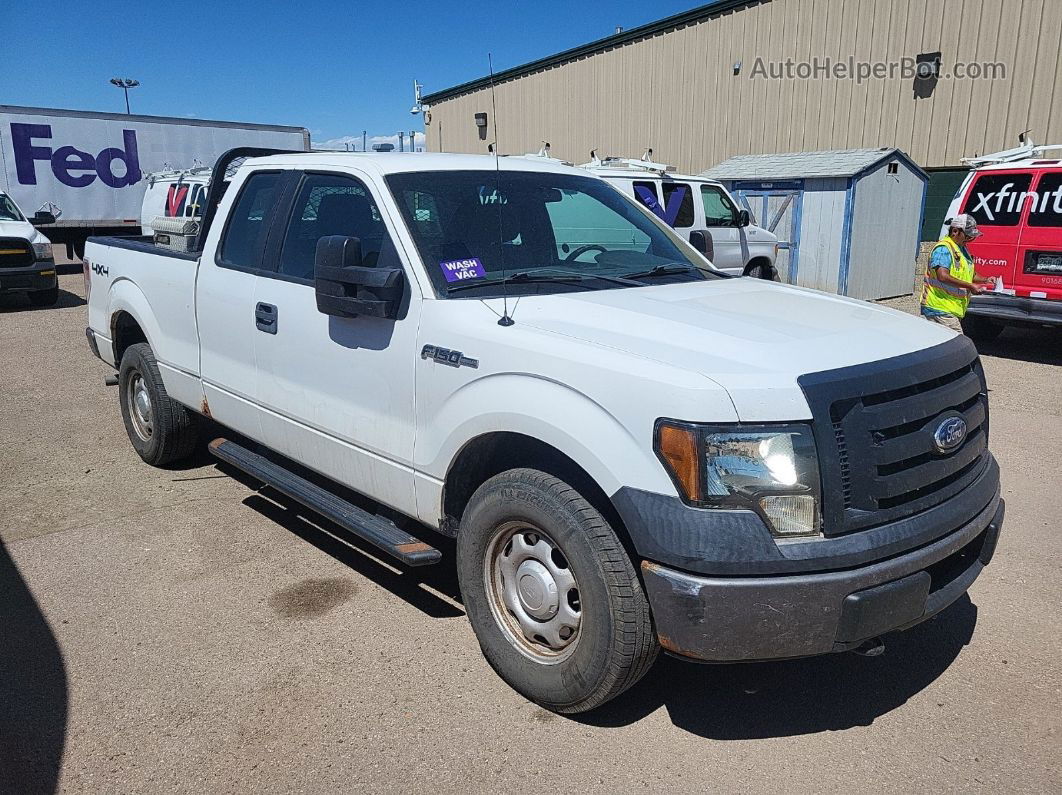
[949, 434]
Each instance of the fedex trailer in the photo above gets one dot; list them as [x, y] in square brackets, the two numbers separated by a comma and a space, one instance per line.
[88, 169]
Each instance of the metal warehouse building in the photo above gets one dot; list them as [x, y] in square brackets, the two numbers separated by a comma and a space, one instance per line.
[696, 86]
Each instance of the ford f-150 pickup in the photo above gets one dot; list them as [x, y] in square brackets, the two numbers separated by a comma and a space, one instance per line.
[632, 449]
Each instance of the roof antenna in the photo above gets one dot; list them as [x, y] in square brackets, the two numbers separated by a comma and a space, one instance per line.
[506, 319]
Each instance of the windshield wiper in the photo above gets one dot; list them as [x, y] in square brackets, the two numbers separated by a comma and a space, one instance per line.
[560, 276]
[662, 270]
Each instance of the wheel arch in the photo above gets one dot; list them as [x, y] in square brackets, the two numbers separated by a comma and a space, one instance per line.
[494, 452]
[131, 319]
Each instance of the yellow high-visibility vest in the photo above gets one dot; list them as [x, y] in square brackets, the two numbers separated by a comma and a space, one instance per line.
[949, 298]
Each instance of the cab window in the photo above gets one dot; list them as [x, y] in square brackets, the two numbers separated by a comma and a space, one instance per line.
[1047, 210]
[719, 210]
[330, 204]
[248, 221]
[997, 199]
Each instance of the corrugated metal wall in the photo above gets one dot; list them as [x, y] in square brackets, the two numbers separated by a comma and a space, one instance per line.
[677, 92]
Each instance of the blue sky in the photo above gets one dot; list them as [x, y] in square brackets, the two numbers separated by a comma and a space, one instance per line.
[335, 68]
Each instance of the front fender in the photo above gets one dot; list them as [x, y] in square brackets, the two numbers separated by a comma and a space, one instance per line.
[551, 412]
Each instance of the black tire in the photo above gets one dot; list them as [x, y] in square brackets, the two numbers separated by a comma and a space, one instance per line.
[172, 430]
[614, 644]
[980, 329]
[762, 270]
[44, 297]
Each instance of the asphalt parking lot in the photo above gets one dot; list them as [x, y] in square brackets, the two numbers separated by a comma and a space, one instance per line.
[180, 630]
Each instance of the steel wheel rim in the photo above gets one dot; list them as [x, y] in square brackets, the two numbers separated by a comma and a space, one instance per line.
[533, 592]
[141, 411]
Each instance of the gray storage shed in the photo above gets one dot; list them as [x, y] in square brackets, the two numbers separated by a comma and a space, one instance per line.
[847, 220]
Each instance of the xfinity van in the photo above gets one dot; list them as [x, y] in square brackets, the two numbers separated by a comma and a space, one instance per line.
[1016, 198]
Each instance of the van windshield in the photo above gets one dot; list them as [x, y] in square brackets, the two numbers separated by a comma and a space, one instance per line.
[8, 210]
[539, 232]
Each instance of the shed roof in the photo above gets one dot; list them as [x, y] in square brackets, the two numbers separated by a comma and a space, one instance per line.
[803, 165]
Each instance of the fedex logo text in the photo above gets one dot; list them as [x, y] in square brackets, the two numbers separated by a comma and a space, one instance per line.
[71, 166]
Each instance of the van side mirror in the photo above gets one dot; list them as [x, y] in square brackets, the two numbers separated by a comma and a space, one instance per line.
[701, 240]
[42, 217]
[743, 218]
[347, 289]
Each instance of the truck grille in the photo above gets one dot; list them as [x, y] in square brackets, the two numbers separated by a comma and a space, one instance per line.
[874, 429]
[15, 252]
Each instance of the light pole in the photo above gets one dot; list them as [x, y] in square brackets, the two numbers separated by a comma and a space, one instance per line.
[125, 84]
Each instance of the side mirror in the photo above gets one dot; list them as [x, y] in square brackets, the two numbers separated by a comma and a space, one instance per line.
[743, 218]
[42, 217]
[346, 289]
[701, 240]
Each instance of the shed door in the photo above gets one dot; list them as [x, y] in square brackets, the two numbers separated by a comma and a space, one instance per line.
[775, 206]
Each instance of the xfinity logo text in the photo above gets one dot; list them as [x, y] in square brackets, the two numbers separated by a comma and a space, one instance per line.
[1007, 200]
[71, 166]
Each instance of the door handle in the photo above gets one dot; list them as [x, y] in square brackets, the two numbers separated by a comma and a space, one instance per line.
[265, 318]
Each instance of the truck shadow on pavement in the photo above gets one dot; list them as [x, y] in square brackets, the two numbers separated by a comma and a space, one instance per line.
[432, 589]
[33, 689]
[786, 698]
[17, 302]
[1036, 345]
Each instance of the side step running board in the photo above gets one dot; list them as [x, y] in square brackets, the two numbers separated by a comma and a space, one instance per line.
[378, 531]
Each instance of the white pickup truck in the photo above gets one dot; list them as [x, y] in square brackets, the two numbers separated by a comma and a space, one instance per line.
[633, 450]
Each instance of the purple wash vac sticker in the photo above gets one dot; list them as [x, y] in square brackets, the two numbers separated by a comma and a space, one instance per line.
[457, 270]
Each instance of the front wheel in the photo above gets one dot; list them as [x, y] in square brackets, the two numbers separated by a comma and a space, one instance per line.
[551, 593]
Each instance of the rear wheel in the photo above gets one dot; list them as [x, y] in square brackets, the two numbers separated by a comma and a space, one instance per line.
[160, 429]
[551, 593]
[980, 329]
[44, 297]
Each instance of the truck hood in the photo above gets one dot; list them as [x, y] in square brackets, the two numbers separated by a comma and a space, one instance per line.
[752, 337]
[22, 229]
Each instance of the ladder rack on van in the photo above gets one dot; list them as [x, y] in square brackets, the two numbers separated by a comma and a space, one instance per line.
[1023, 152]
[645, 164]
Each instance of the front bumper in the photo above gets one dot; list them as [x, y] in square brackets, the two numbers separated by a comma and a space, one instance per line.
[30, 278]
[1016, 309]
[722, 619]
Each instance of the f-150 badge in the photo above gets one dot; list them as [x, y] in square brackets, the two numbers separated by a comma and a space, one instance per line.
[447, 357]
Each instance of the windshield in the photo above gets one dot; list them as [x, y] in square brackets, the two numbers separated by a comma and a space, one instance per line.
[540, 232]
[8, 210]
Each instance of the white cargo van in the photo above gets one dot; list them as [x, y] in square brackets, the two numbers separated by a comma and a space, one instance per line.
[694, 204]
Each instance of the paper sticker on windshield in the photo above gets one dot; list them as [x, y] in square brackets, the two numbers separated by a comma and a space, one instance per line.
[458, 270]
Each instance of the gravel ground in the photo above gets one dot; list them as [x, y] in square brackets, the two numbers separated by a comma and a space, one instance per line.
[179, 630]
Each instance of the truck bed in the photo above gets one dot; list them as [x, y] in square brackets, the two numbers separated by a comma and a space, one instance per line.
[156, 287]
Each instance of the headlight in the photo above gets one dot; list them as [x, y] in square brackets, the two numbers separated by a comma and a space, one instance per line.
[42, 250]
[771, 469]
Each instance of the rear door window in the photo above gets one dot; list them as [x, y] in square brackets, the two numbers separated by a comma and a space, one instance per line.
[678, 204]
[997, 199]
[647, 196]
[719, 210]
[245, 234]
[1047, 207]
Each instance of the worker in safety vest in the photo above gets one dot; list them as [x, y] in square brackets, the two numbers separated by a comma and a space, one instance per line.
[950, 276]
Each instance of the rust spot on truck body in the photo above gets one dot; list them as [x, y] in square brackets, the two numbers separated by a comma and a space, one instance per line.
[204, 407]
[413, 547]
